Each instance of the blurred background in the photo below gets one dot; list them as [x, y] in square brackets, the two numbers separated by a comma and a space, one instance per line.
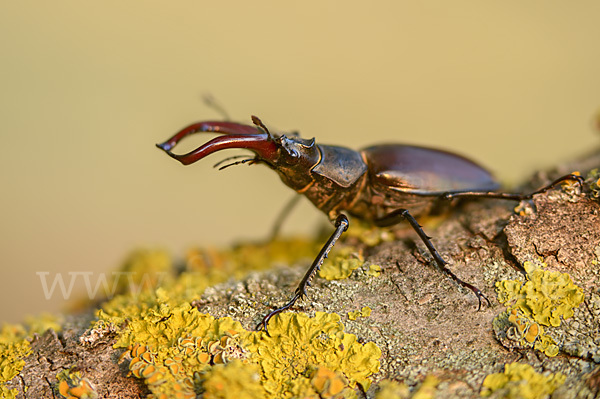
[88, 88]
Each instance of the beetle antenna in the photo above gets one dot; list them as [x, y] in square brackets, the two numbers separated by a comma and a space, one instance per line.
[228, 159]
[262, 126]
[211, 102]
[251, 160]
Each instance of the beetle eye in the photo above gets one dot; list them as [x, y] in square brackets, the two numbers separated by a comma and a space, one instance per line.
[294, 156]
[291, 156]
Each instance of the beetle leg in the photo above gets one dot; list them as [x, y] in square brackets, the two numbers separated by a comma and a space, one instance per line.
[512, 196]
[403, 214]
[341, 225]
[211, 102]
[283, 215]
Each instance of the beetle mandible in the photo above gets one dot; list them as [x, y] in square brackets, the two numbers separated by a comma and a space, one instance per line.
[383, 184]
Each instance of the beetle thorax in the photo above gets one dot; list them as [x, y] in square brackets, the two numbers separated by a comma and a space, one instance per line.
[330, 180]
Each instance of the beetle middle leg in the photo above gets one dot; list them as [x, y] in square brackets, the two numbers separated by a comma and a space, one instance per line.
[341, 225]
[403, 214]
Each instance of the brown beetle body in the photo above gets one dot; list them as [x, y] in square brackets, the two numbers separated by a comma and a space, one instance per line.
[378, 180]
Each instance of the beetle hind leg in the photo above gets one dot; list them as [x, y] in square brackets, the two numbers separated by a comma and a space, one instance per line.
[403, 214]
[572, 177]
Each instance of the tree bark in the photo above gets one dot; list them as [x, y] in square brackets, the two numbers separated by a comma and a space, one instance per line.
[421, 320]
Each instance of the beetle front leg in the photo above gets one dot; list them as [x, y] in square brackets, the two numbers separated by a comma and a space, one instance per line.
[341, 225]
[402, 214]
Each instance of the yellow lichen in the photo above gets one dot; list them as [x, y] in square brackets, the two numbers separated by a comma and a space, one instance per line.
[172, 345]
[177, 350]
[169, 344]
[427, 388]
[40, 324]
[164, 323]
[298, 343]
[146, 270]
[374, 271]
[6, 393]
[246, 257]
[593, 179]
[341, 264]
[548, 296]
[13, 349]
[71, 385]
[395, 390]
[369, 234]
[364, 312]
[234, 380]
[388, 389]
[508, 290]
[521, 381]
[542, 300]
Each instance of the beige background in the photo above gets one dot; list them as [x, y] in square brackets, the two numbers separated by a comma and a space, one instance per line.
[89, 87]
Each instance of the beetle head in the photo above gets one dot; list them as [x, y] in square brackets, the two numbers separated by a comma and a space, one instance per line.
[295, 159]
[291, 157]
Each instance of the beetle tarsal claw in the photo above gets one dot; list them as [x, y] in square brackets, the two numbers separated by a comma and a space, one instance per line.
[480, 295]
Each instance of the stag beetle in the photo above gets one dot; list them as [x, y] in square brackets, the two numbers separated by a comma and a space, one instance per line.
[383, 184]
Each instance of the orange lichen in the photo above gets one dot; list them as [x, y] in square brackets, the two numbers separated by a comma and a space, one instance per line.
[329, 384]
[71, 385]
